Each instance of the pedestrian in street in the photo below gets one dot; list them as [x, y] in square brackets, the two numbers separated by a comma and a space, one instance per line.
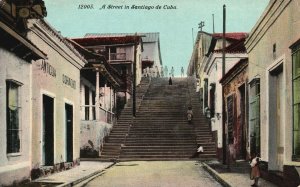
[255, 172]
[182, 71]
[170, 81]
[198, 151]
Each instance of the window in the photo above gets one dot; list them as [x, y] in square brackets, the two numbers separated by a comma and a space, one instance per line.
[254, 116]
[296, 101]
[87, 103]
[212, 99]
[230, 118]
[13, 117]
[205, 93]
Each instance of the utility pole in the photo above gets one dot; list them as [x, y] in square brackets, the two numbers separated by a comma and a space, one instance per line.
[213, 16]
[134, 77]
[226, 155]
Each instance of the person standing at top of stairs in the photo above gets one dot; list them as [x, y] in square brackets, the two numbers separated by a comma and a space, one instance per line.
[170, 81]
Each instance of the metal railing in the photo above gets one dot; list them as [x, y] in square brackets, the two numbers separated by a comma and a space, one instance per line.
[104, 115]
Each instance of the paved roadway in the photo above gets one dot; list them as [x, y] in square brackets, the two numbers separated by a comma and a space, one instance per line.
[155, 174]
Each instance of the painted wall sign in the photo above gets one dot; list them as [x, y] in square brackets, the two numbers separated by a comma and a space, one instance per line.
[68, 81]
[48, 69]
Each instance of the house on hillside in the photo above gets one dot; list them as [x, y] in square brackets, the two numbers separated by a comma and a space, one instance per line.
[151, 55]
[274, 81]
[121, 52]
[195, 67]
[99, 83]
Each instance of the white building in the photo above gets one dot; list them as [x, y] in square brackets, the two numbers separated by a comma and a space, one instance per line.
[17, 54]
[206, 66]
[151, 55]
[273, 47]
[55, 101]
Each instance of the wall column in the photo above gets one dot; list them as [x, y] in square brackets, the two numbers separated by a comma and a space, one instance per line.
[97, 99]
[82, 109]
[105, 104]
[90, 105]
[110, 99]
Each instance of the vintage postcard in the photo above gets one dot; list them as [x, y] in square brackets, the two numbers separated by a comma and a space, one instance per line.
[160, 93]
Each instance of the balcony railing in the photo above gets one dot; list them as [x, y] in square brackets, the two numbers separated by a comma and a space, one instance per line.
[117, 56]
[104, 115]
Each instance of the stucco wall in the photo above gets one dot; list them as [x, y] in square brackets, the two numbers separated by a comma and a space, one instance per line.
[233, 88]
[92, 137]
[151, 50]
[282, 31]
[214, 74]
[65, 63]
[12, 67]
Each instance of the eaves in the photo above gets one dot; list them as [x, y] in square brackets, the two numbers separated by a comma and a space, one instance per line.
[265, 22]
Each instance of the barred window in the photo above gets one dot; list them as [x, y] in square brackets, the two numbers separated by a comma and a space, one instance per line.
[13, 117]
[296, 100]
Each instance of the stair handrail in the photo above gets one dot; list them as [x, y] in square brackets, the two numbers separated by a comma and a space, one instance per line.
[142, 97]
[189, 91]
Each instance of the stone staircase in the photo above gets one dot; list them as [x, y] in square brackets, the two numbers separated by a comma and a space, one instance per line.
[114, 142]
[160, 130]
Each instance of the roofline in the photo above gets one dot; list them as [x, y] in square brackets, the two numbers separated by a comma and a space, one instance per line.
[268, 17]
[237, 68]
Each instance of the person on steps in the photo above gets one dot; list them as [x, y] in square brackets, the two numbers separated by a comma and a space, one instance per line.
[189, 114]
[198, 152]
[170, 81]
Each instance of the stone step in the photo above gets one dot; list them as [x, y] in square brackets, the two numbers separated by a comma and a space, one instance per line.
[174, 147]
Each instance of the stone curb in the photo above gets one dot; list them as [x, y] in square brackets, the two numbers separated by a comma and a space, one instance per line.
[77, 181]
[215, 175]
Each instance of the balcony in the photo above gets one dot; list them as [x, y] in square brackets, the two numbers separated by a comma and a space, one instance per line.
[117, 56]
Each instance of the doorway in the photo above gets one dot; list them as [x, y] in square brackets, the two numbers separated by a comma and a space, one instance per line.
[276, 118]
[69, 132]
[48, 131]
[242, 123]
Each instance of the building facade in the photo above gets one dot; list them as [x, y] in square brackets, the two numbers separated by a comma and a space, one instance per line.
[235, 97]
[151, 55]
[17, 54]
[99, 83]
[206, 66]
[273, 47]
[55, 102]
[123, 53]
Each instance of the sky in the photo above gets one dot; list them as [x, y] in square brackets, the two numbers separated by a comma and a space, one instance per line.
[176, 20]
